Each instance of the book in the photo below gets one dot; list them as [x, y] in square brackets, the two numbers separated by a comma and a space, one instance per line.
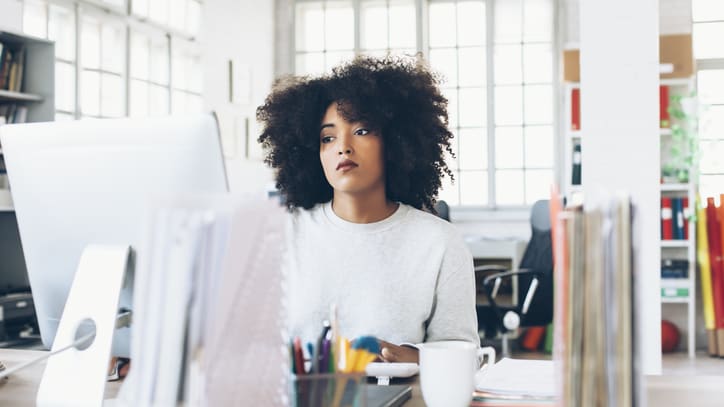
[702, 255]
[686, 215]
[717, 273]
[674, 268]
[678, 213]
[575, 109]
[664, 119]
[667, 226]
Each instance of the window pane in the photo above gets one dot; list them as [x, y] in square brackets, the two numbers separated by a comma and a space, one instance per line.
[537, 185]
[310, 64]
[90, 44]
[310, 27]
[712, 157]
[90, 93]
[140, 7]
[35, 17]
[112, 98]
[472, 107]
[472, 66]
[508, 105]
[451, 94]
[508, 147]
[178, 102]
[334, 59]
[195, 75]
[707, 10]
[159, 100]
[711, 185]
[450, 192]
[158, 11]
[63, 117]
[61, 27]
[508, 64]
[117, 3]
[473, 149]
[706, 40]
[159, 61]
[177, 14]
[373, 21]
[710, 85]
[471, 23]
[538, 18]
[194, 104]
[403, 33]
[711, 124]
[538, 104]
[193, 17]
[64, 86]
[179, 68]
[339, 26]
[537, 63]
[442, 17]
[508, 21]
[473, 188]
[444, 61]
[539, 147]
[509, 187]
[114, 50]
[139, 99]
[139, 56]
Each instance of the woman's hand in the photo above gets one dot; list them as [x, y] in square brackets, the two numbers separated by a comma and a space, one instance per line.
[398, 354]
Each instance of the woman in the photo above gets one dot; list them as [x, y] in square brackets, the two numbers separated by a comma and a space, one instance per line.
[358, 155]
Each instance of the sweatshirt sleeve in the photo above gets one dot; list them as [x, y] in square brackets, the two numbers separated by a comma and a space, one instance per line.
[453, 315]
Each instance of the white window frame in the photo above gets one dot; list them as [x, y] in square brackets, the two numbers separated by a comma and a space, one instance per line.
[491, 211]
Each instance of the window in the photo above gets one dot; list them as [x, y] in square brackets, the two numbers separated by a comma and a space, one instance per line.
[497, 60]
[92, 79]
[708, 28]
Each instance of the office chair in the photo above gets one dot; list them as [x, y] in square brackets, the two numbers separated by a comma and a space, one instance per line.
[534, 306]
[443, 210]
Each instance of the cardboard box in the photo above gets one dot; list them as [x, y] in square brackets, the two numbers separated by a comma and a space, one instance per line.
[571, 65]
[674, 50]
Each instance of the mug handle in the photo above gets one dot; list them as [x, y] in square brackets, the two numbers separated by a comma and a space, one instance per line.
[483, 353]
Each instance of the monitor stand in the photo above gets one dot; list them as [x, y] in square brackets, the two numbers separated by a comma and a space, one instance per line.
[78, 376]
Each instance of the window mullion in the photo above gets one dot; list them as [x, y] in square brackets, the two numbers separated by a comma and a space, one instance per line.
[356, 11]
[490, 97]
[78, 33]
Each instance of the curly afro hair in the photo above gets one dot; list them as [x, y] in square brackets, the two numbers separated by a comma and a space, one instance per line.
[397, 96]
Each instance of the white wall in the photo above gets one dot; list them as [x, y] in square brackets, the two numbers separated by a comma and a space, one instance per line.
[11, 15]
[243, 31]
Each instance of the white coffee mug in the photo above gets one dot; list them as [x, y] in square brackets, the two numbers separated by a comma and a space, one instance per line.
[447, 372]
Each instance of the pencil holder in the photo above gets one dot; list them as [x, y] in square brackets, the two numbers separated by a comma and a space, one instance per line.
[328, 390]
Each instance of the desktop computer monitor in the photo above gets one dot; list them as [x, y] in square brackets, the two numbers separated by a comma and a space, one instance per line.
[91, 182]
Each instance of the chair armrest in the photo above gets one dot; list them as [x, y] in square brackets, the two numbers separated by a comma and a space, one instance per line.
[509, 273]
[491, 267]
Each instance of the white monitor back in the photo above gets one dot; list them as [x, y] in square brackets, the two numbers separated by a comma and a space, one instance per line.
[91, 182]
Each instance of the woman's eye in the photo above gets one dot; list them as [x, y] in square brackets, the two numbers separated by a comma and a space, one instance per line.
[361, 132]
[326, 139]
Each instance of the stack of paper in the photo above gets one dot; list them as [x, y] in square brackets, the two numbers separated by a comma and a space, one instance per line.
[208, 306]
[516, 382]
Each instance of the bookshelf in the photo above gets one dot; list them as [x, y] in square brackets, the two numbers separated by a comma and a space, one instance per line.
[680, 291]
[673, 290]
[34, 94]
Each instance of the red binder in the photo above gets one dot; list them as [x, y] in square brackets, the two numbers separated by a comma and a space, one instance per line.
[664, 119]
[575, 109]
[667, 223]
[717, 273]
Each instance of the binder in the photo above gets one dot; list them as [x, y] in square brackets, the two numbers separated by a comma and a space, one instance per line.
[678, 214]
[717, 274]
[702, 255]
[667, 226]
[576, 161]
[664, 119]
[575, 109]
[686, 213]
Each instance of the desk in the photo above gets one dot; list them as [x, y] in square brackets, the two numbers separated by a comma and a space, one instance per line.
[700, 391]
[20, 388]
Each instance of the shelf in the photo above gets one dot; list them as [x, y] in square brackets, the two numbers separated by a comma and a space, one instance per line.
[574, 134]
[675, 187]
[665, 131]
[675, 82]
[675, 243]
[675, 300]
[6, 95]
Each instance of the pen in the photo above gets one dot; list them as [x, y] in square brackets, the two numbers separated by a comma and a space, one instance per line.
[298, 358]
[316, 368]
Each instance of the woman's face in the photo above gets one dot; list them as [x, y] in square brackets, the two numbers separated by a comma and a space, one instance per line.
[352, 154]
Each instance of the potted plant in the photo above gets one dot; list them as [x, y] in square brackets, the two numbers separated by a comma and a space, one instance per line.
[680, 162]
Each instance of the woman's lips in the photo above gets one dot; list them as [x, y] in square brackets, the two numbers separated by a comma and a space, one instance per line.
[346, 165]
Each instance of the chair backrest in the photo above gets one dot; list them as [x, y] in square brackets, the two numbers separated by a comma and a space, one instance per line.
[538, 256]
[443, 210]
